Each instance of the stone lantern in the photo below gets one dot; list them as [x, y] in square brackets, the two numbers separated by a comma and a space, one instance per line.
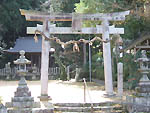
[22, 99]
[141, 99]
[144, 69]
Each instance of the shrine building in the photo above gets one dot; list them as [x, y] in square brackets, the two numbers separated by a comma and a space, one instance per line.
[33, 50]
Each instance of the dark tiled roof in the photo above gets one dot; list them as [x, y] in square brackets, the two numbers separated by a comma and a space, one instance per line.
[27, 44]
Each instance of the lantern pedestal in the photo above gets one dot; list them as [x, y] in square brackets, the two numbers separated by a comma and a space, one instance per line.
[141, 99]
[22, 97]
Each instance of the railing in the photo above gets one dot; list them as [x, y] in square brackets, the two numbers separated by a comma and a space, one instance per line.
[87, 90]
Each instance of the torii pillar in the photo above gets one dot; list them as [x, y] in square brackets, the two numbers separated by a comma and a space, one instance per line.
[44, 55]
[107, 59]
[45, 63]
[107, 56]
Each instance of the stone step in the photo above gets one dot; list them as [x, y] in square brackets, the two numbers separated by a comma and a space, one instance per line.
[94, 112]
[85, 109]
[104, 107]
[84, 104]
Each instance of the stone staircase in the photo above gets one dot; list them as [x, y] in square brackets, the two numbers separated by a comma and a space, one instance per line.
[106, 107]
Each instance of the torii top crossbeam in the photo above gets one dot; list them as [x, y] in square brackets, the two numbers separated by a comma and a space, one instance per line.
[76, 22]
[41, 16]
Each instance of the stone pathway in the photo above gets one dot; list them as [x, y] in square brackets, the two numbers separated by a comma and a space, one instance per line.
[62, 92]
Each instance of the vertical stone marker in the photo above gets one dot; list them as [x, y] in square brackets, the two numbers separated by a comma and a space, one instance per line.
[120, 78]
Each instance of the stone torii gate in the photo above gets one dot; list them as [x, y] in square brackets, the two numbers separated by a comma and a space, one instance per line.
[76, 28]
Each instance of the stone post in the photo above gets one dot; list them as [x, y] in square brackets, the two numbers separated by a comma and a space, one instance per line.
[107, 59]
[45, 63]
[77, 74]
[120, 78]
[34, 72]
[84, 53]
[8, 70]
[68, 73]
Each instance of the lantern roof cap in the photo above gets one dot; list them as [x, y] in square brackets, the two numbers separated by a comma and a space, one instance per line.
[22, 59]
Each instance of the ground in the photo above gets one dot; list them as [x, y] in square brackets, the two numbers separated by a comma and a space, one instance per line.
[65, 92]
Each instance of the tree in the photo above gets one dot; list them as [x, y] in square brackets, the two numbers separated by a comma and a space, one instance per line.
[137, 22]
[12, 23]
[59, 6]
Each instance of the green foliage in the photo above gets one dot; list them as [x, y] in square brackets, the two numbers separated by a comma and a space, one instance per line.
[63, 74]
[5, 58]
[100, 6]
[59, 6]
[65, 57]
[13, 24]
[84, 73]
[134, 25]
[59, 60]
[98, 66]
[105, 6]
[131, 75]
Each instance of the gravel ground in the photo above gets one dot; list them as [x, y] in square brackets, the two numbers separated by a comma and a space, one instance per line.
[65, 92]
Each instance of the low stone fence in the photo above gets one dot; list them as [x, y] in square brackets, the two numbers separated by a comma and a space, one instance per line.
[11, 73]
